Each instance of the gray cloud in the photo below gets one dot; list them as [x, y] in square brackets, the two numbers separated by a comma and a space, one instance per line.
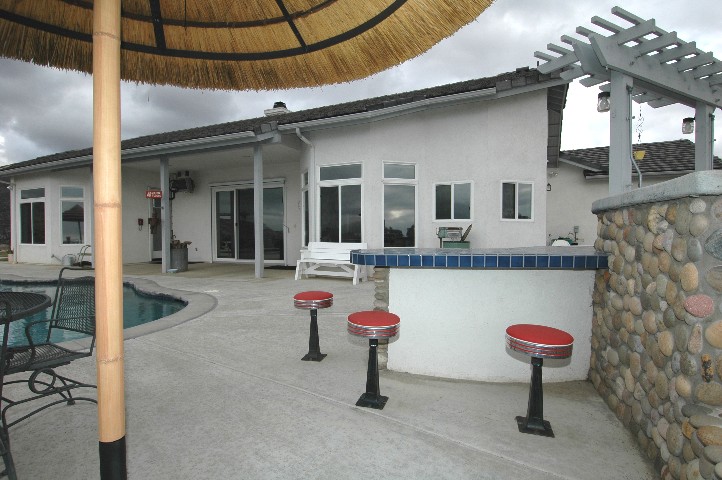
[43, 111]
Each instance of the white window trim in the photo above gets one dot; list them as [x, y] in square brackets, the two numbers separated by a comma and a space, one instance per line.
[338, 183]
[516, 201]
[60, 212]
[471, 202]
[20, 201]
[402, 181]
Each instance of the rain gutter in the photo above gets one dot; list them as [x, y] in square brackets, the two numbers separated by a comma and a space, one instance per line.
[141, 153]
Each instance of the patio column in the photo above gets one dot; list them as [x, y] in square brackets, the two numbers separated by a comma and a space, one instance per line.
[258, 208]
[620, 134]
[703, 136]
[165, 213]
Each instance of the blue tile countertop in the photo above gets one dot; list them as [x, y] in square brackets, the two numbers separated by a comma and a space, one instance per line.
[534, 258]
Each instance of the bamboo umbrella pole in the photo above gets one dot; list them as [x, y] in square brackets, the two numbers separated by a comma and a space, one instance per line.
[108, 239]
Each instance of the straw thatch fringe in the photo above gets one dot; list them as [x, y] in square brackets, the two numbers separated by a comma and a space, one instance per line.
[414, 27]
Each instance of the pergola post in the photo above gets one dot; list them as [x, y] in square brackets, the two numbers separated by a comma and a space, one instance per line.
[620, 134]
[703, 136]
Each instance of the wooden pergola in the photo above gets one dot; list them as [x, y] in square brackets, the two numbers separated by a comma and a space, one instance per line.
[646, 64]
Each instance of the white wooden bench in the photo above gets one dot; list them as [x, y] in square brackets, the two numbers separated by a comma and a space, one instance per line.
[330, 259]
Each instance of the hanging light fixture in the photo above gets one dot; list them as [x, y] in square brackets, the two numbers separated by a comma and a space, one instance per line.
[688, 125]
[603, 102]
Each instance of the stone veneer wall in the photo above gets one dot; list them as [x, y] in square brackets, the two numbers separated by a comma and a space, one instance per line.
[657, 330]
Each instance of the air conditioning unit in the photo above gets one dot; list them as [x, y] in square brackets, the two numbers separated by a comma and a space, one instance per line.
[182, 183]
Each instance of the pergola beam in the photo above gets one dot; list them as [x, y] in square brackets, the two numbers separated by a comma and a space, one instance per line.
[648, 65]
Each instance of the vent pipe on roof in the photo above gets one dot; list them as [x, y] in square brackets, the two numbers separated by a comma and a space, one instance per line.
[278, 109]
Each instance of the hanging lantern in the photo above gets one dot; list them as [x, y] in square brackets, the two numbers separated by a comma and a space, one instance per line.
[603, 102]
[688, 125]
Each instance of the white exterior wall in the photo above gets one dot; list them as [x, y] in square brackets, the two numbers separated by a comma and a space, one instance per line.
[453, 322]
[569, 202]
[53, 250]
[484, 142]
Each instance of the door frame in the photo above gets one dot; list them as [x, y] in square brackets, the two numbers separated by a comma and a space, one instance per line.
[241, 185]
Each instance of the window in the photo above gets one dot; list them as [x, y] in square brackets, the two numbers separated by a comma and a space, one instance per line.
[72, 210]
[516, 201]
[399, 205]
[32, 216]
[453, 201]
[306, 209]
[340, 203]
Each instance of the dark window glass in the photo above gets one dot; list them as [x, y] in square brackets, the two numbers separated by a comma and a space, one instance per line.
[341, 172]
[32, 193]
[508, 200]
[306, 219]
[395, 170]
[225, 225]
[351, 213]
[73, 216]
[443, 202]
[38, 222]
[329, 214]
[26, 223]
[399, 215]
[525, 201]
[462, 201]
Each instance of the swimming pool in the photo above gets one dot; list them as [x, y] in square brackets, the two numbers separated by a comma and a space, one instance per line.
[138, 308]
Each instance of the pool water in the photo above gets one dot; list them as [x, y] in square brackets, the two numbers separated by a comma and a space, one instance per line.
[138, 308]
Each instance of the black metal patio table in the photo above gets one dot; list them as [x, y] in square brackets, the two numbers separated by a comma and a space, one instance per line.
[14, 306]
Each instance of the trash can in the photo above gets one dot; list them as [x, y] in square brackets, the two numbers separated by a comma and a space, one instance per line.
[179, 259]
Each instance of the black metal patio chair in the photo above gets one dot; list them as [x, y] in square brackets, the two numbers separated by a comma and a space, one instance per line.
[73, 310]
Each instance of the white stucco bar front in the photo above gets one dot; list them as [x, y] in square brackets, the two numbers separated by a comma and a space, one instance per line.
[453, 319]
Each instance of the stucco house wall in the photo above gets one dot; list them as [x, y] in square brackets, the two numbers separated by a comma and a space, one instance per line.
[484, 135]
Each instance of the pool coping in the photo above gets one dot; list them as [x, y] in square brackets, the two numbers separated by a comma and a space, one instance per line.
[197, 304]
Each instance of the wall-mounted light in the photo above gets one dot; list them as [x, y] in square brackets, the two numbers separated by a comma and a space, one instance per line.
[688, 125]
[603, 102]
[549, 187]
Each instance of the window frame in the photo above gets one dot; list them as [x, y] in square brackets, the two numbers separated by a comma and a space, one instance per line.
[32, 201]
[516, 200]
[339, 183]
[80, 200]
[400, 181]
[453, 188]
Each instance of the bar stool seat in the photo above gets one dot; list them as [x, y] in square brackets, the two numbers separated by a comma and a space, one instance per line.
[539, 342]
[373, 324]
[313, 300]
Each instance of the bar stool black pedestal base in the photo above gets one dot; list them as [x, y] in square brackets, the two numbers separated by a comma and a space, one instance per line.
[372, 401]
[314, 357]
[534, 427]
[534, 422]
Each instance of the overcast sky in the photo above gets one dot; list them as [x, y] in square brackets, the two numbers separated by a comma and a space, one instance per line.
[44, 111]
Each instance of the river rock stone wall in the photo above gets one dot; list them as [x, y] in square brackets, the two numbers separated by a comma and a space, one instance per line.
[657, 331]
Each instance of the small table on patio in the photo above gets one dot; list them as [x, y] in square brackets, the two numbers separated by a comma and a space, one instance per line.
[14, 306]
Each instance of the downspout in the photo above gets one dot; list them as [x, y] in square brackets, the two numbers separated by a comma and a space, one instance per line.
[631, 150]
[311, 182]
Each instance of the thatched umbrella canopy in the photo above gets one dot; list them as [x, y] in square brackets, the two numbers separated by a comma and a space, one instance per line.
[237, 45]
[210, 44]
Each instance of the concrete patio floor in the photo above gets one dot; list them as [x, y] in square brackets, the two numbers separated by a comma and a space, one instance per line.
[226, 396]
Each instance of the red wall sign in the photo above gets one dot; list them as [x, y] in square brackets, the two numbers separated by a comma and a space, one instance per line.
[153, 194]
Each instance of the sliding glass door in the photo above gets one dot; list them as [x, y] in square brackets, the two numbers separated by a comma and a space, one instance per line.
[235, 223]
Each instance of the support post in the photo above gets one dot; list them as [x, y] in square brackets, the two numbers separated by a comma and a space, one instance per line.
[258, 208]
[620, 134]
[165, 213]
[108, 239]
[703, 136]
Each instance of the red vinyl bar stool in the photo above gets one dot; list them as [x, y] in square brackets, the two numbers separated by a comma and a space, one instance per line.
[373, 324]
[539, 342]
[313, 300]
